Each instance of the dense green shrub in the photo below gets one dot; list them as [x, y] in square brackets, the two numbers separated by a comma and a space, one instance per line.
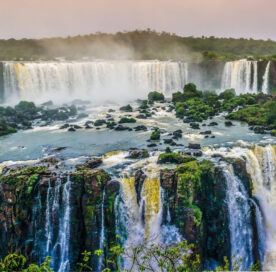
[227, 94]
[127, 120]
[155, 135]
[126, 108]
[156, 96]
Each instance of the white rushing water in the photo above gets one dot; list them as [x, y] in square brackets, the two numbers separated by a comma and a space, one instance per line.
[58, 210]
[261, 166]
[94, 80]
[241, 75]
[241, 233]
[143, 220]
[102, 235]
[265, 87]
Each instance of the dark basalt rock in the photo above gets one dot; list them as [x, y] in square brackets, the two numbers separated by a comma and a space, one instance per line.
[213, 124]
[87, 123]
[121, 128]
[194, 125]
[138, 154]
[76, 126]
[168, 141]
[139, 181]
[228, 123]
[60, 148]
[91, 163]
[140, 128]
[194, 146]
[259, 130]
[99, 123]
[197, 153]
[177, 134]
[141, 116]
[64, 126]
[152, 145]
[71, 129]
[207, 132]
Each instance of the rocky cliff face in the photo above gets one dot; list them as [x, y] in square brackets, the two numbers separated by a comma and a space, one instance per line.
[30, 223]
[39, 206]
[196, 194]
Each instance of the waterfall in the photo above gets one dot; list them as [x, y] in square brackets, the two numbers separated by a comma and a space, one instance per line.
[144, 220]
[94, 80]
[241, 75]
[265, 87]
[241, 234]
[102, 234]
[261, 231]
[261, 166]
[57, 225]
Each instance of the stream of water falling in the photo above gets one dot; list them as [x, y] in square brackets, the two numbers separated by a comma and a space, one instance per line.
[38, 81]
[102, 235]
[265, 87]
[241, 233]
[58, 234]
[261, 164]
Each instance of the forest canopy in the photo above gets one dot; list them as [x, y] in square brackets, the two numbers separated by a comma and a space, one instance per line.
[138, 44]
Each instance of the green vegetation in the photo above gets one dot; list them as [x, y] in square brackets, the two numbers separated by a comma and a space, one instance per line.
[24, 178]
[144, 44]
[22, 115]
[155, 135]
[171, 157]
[260, 116]
[126, 108]
[5, 129]
[156, 96]
[124, 120]
[18, 263]
[144, 105]
[258, 110]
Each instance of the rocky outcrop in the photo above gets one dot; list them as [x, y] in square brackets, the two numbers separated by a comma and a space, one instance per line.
[27, 197]
[196, 194]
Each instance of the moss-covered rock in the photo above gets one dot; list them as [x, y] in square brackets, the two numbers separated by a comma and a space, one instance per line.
[126, 108]
[124, 120]
[156, 96]
[155, 135]
[172, 157]
[195, 194]
[138, 154]
[5, 129]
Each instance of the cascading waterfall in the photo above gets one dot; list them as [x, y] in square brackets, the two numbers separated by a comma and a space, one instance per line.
[241, 75]
[265, 87]
[241, 233]
[261, 231]
[102, 234]
[143, 220]
[261, 164]
[57, 234]
[95, 80]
